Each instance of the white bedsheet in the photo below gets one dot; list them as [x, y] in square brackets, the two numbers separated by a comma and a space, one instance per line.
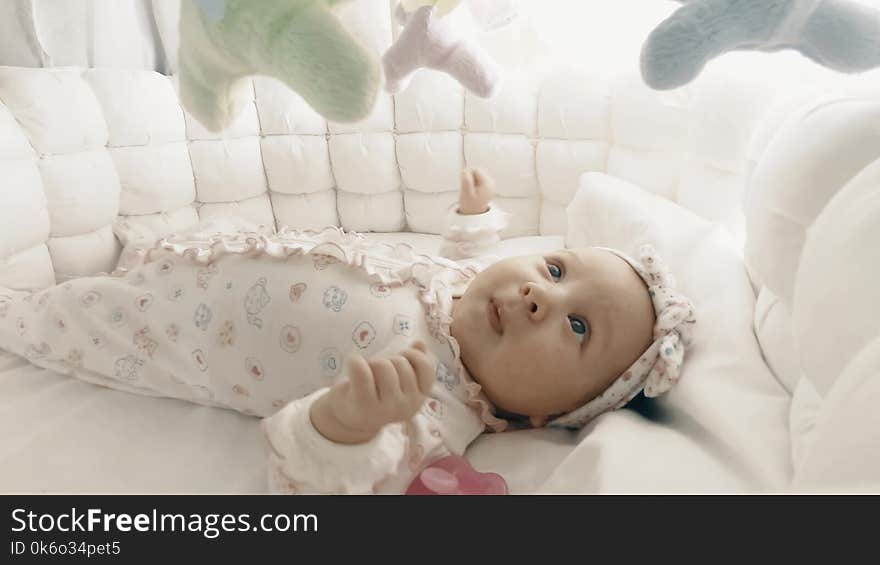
[62, 435]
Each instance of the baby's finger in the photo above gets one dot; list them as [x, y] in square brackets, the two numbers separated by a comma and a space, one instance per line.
[482, 179]
[483, 182]
[406, 375]
[423, 366]
[478, 175]
[387, 384]
[467, 181]
[361, 377]
[342, 388]
[420, 345]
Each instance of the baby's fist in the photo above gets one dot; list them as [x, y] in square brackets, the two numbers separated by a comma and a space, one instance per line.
[477, 189]
[377, 392]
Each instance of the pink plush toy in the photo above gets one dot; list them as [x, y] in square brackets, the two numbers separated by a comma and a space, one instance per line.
[438, 34]
[454, 475]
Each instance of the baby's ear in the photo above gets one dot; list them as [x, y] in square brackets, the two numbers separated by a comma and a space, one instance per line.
[537, 421]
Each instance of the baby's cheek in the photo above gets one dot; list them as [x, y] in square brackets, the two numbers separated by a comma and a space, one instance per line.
[523, 358]
[552, 341]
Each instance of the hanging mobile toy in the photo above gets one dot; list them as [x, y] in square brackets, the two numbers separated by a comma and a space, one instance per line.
[299, 42]
[839, 34]
[438, 34]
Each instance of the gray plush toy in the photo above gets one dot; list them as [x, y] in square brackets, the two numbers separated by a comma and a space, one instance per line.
[839, 34]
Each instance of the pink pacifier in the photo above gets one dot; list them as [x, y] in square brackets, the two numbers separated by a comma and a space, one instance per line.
[454, 475]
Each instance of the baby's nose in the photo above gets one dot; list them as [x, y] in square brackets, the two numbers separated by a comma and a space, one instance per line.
[534, 299]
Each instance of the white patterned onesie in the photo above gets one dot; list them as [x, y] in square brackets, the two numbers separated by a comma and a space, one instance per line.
[252, 322]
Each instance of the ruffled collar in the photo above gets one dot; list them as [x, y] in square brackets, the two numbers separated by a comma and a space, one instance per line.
[476, 399]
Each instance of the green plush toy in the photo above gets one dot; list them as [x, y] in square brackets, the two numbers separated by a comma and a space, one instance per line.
[839, 34]
[300, 42]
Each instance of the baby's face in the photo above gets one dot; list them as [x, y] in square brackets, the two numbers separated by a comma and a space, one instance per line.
[543, 334]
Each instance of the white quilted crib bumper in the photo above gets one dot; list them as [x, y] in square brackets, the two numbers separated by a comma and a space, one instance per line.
[89, 154]
[84, 148]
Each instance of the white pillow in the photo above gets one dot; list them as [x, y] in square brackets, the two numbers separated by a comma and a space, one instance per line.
[724, 427]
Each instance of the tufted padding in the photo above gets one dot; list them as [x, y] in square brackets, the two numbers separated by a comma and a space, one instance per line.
[837, 333]
[835, 303]
[74, 195]
[818, 149]
[85, 147]
[813, 249]
[123, 145]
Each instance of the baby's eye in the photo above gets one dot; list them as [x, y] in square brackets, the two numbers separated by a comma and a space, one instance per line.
[555, 272]
[579, 327]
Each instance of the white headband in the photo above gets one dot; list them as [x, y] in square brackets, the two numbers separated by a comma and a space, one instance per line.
[659, 367]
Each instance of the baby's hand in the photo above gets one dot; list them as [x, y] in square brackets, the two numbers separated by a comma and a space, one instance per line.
[477, 189]
[377, 392]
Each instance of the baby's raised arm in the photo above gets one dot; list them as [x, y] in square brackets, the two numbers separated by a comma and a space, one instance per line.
[473, 226]
[477, 189]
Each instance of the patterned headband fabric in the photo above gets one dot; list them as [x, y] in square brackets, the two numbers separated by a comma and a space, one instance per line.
[659, 367]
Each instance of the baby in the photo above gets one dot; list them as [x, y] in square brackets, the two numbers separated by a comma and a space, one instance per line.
[368, 360]
[559, 338]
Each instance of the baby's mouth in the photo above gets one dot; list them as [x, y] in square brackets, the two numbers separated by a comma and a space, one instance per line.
[493, 313]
